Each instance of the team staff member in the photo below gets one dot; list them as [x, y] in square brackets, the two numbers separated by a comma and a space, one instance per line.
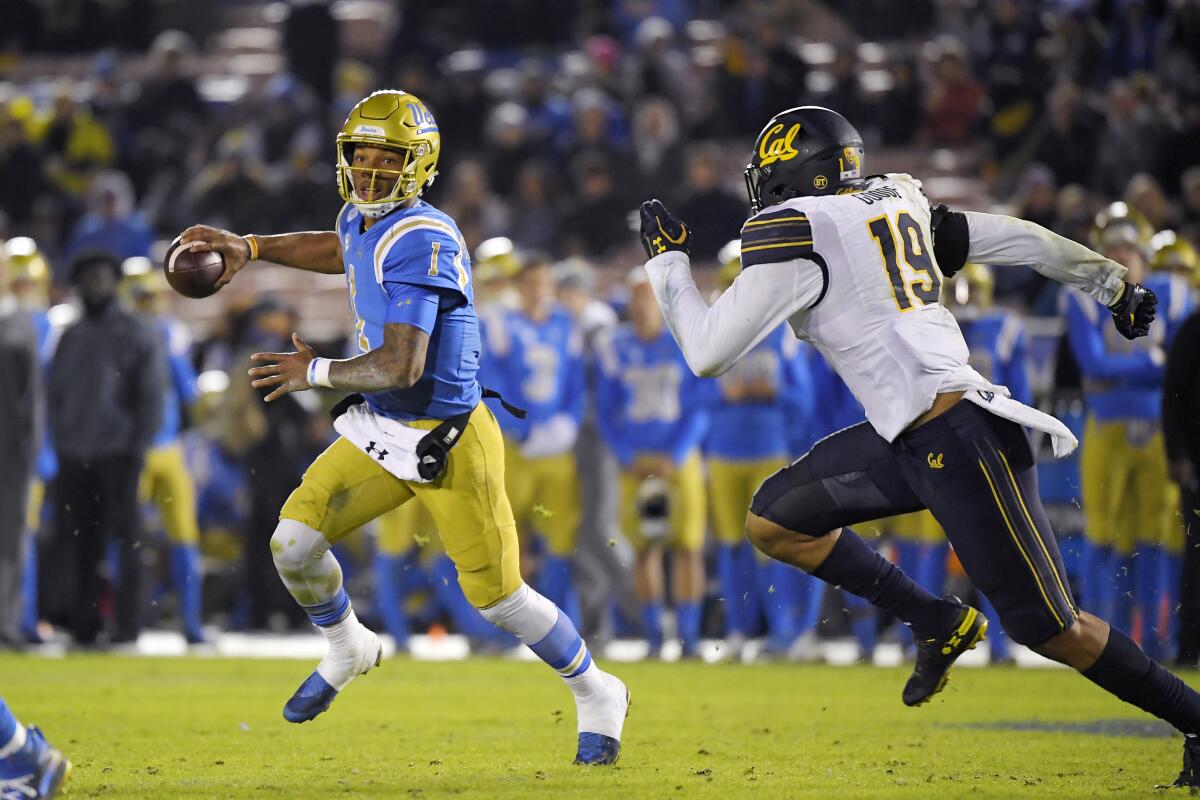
[104, 399]
[653, 416]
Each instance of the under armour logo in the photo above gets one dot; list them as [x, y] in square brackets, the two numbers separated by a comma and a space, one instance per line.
[935, 463]
[988, 396]
[378, 453]
[658, 244]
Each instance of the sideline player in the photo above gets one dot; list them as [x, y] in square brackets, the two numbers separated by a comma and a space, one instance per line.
[852, 263]
[409, 277]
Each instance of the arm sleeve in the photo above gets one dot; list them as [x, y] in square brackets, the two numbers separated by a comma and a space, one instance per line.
[411, 304]
[1087, 345]
[1007, 241]
[1183, 362]
[714, 338]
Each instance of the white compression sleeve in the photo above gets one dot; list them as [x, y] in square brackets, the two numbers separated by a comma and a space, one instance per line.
[1003, 241]
[714, 338]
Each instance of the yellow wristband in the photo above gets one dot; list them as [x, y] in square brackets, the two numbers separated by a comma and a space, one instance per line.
[252, 240]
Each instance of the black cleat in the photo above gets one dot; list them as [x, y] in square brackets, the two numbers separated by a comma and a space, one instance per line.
[936, 655]
[1189, 776]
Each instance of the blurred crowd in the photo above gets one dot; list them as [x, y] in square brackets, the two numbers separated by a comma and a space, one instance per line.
[156, 494]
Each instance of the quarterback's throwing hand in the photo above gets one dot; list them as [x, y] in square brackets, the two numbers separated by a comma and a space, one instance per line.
[287, 372]
[234, 248]
[662, 232]
[1134, 311]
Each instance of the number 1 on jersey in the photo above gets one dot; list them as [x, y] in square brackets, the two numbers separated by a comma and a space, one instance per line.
[927, 284]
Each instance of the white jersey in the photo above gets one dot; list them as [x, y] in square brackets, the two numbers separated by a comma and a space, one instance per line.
[856, 275]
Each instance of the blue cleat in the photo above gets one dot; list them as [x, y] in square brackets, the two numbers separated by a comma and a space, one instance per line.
[315, 694]
[313, 697]
[597, 749]
[37, 770]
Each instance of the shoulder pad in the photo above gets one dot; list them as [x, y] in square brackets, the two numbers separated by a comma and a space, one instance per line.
[422, 249]
[777, 234]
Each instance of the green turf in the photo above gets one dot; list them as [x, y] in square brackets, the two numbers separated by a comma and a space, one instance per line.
[491, 728]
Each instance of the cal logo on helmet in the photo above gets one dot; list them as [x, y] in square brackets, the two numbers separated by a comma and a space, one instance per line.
[798, 153]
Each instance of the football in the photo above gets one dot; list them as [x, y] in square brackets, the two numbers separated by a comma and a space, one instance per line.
[190, 273]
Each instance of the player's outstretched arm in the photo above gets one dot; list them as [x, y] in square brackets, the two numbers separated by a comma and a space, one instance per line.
[714, 338]
[996, 239]
[397, 364]
[312, 251]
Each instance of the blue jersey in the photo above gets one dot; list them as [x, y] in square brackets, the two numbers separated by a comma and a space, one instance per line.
[411, 257]
[760, 399]
[47, 338]
[1122, 379]
[537, 366]
[647, 398]
[181, 388]
[996, 339]
[835, 406]
[221, 498]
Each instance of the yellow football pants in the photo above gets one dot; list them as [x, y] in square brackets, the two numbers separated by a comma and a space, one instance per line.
[166, 482]
[919, 526]
[1127, 498]
[544, 493]
[731, 487]
[404, 526]
[685, 501]
[345, 488]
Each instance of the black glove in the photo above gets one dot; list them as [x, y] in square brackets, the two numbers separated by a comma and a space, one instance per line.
[662, 232]
[1134, 311]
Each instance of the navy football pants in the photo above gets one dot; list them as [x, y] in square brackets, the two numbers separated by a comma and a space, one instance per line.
[975, 472]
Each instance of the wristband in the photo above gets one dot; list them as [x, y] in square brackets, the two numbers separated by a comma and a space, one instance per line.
[318, 372]
[252, 240]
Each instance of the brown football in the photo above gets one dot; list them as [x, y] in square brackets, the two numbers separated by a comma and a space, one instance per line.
[190, 273]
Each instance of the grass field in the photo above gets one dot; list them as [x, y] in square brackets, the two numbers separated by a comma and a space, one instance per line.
[490, 728]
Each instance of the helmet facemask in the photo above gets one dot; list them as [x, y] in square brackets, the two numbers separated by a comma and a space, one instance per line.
[406, 186]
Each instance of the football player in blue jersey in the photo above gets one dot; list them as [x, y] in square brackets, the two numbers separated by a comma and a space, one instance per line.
[533, 354]
[1128, 501]
[415, 426]
[766, 393]
[30, 277]
[30, 767]
[165, 480]
[652, 414]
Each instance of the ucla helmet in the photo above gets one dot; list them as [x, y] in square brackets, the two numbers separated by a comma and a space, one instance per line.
[397, 121]
[29, 270]
[1119, 224]
[1173, 253]
[804, 151]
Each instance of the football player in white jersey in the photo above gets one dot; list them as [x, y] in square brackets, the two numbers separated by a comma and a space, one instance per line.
[854, 264]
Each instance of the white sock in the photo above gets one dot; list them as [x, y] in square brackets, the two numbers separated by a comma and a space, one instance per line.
[348, 641]
[588, 683]
[15, 743]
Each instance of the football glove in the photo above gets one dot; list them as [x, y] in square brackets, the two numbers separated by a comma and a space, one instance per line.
[662, 232]
[1134, 310]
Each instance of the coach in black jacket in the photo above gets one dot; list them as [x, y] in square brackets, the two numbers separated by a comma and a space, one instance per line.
[104, 401]
[1181, 433]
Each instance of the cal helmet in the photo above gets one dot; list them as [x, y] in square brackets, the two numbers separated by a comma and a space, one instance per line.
[808, 150]
[398, 121]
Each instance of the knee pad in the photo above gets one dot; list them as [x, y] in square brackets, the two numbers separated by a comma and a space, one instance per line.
[295, 545]
[526, 614]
